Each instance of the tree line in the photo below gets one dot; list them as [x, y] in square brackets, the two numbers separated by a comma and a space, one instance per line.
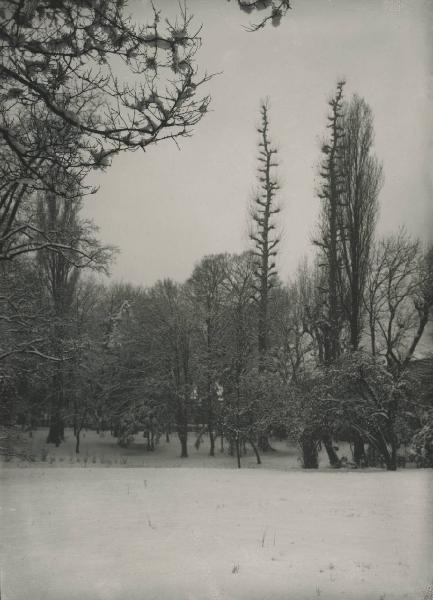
[233, 352]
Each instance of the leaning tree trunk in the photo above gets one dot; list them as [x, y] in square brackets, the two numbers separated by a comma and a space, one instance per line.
[334, 461]
[256, 452]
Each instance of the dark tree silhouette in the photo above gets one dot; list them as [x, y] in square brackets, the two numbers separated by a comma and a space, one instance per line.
[328, 242]
[361, 179]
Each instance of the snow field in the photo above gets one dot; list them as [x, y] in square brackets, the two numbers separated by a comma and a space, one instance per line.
[217, 534]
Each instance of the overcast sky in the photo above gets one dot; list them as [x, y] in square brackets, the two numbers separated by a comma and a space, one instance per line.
[165, 209]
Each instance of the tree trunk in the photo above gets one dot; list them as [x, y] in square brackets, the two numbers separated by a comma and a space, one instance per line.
[334, 461]
[359, 451]
[212, 442]
[372, 336]
[182, 429]
[238, 452]
[56, 430]
[183, 437]
[355, 333]
[77, 443]
[391, 465]
[256, 452]
[309, 452]
[428, 453]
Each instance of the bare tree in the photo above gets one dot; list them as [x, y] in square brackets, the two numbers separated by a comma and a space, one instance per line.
[264, 238]
[398, 298]
[263, 235]
[294, 332]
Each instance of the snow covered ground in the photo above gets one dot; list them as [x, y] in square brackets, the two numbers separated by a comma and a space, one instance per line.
[102, 450]
[199, 534]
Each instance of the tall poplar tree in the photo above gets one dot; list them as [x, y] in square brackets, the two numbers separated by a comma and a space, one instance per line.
[361, 178]
[263, 234]
[329, 238]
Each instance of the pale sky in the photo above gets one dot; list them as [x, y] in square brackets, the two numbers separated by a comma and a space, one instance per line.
[166, 208]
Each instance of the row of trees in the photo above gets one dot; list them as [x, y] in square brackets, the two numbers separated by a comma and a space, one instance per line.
[234, 351]
[177, 355]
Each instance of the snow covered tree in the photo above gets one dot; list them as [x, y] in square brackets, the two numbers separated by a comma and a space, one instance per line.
[275, 10]
[207, 287]
[25, 351]
[170, 328]
[240, 343]
[81, 82]
[60, 273]
[364, 396]
[399, 298]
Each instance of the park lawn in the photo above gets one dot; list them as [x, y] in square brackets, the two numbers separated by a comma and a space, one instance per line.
[102, 450]
[199, 534]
